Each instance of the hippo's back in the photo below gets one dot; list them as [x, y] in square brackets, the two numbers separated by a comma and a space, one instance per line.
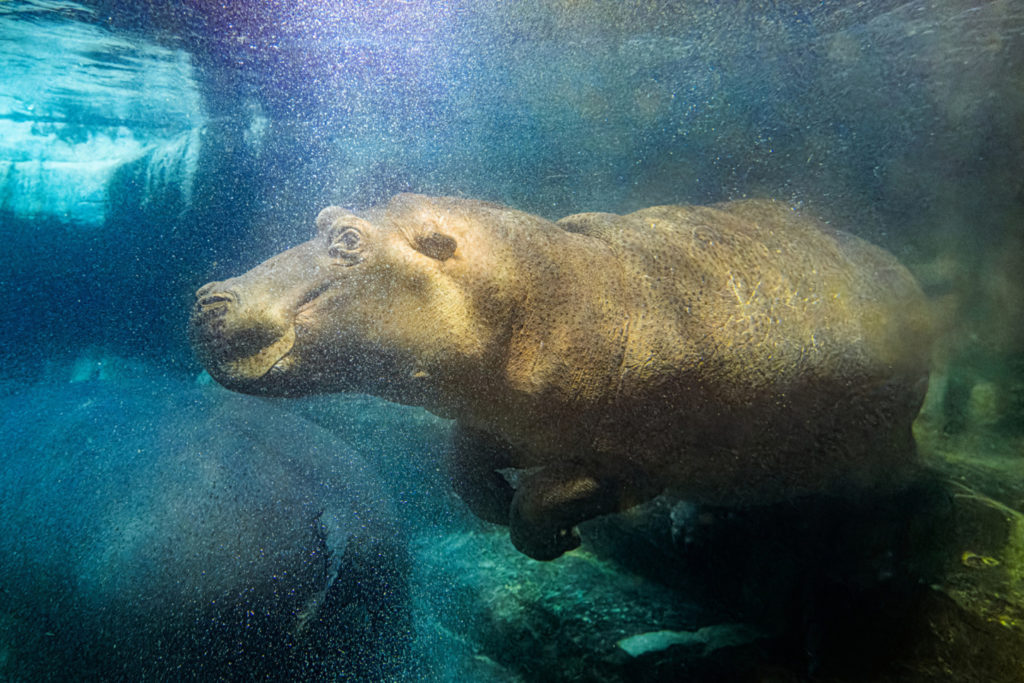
[762, 339]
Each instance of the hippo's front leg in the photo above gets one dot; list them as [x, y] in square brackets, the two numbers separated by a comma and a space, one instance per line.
[473, 463]
[548, 504]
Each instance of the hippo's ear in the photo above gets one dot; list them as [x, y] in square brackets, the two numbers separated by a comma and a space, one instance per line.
[435, 245]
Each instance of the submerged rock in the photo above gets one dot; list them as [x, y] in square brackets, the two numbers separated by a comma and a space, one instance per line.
[703, 641]
[481, 605]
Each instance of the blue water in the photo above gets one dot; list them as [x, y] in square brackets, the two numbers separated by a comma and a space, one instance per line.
[155, 525]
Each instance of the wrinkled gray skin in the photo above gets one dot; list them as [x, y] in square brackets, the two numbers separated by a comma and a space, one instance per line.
[731, 354]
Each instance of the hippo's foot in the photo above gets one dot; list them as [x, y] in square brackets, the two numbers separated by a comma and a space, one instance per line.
[548, 504]
[473, 463]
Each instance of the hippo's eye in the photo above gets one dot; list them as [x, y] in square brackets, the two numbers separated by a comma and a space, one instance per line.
[345, 244]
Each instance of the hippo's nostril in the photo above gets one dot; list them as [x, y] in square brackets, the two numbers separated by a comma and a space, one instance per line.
[214, 299]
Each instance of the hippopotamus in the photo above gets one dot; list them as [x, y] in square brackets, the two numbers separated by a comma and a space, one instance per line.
[731, 354]
[151, 529]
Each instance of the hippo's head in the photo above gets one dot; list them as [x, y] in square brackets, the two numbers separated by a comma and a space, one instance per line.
[379, 306]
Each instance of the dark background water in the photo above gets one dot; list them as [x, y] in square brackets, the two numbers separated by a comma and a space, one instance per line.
[898, 121]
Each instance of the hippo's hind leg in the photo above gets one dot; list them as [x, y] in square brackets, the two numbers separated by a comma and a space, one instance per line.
[473, 463]
[549, 503]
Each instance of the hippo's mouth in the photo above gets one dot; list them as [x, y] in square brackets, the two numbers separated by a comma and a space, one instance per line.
[262, 362]
[238, 354]
[275, 357]
[251, 348]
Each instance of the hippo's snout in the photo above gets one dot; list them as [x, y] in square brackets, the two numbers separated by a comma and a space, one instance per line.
[213, 302]
[237, 341]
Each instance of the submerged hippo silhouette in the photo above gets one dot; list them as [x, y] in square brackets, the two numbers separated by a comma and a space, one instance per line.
[735, 353]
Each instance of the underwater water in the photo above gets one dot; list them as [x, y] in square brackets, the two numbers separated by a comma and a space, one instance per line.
[155, 525]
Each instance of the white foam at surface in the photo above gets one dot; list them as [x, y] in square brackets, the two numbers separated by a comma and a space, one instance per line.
[175, 163]
[78, 103]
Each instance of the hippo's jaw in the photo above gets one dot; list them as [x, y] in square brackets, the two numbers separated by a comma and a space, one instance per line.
[248, 369]
[242, 349]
